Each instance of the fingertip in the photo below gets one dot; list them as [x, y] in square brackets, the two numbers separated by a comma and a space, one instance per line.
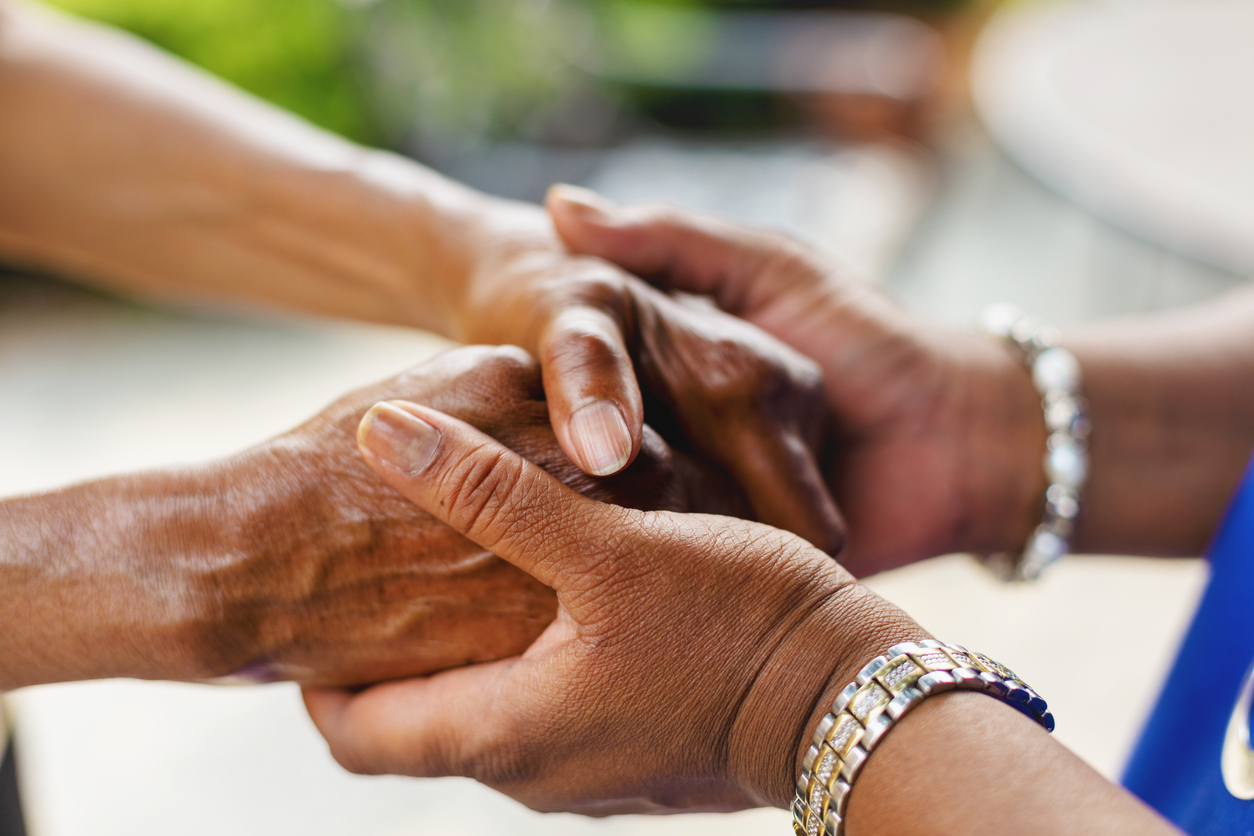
[392, 434]
[603, 443]
[573, 203]
[593, 395]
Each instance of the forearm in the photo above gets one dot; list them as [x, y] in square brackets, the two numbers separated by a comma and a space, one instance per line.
[1172, 403]
[962, 758]
[115, 578]
[955, 759]
[128, 168]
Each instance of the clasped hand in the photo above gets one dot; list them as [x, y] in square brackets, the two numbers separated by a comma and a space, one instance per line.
[622, 704]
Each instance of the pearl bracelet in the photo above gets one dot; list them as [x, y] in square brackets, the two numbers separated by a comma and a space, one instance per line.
[1056, 376]
[884, 691]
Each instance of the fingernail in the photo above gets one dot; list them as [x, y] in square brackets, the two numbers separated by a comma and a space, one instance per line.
[398, 438]
[586, 204]
[601, 438]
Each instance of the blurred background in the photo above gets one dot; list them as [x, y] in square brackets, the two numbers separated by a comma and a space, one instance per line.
[1080, 158]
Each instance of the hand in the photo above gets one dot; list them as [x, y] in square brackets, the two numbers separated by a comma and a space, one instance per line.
[338, 580]
[940, 432]
[685, 664]
[728, 391]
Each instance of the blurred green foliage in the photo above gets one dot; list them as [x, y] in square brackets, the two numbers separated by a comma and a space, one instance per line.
[448, 69]
[379, 71]
[298, 54]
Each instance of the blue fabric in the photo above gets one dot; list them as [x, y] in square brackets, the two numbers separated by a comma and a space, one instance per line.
[1175, 766]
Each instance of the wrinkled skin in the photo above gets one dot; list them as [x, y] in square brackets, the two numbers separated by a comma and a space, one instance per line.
[678, 676]
[691, 657]
[134, 173]
[938, 432]
[736, 395]
[354, 584]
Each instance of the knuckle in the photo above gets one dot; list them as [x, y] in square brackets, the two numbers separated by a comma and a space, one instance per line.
[736, 375]
[452, 365]
[600, 286]
[804, 376]
[582, 346]
[735, 367]
[508, 368]
[769, 381]
[513, 759]
[483, 492]
[509, 359]
[502, 766]
[785, 257]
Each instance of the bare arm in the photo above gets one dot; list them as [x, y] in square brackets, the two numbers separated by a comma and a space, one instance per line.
[292, 560]
[1172, 399]
[128, 168]
[965, 758]
[91, 588]
[123, 166]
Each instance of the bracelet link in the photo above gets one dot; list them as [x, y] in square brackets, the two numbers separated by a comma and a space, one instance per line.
[1057, 378]
[884, 691]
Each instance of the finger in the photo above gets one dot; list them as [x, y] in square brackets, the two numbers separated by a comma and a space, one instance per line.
[684, 250]
[784, 485]
[484, 491]
[427, 728]
[594, 399]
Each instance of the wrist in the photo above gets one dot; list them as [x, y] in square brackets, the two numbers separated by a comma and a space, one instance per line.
[206, 542]
[498, 243]
[820, 654]
[255, 579]
[421, 238]
[1002, 480]
[230, 543]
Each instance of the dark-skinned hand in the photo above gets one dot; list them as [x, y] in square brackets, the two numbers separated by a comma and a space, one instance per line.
[939, 432]
[616, 353]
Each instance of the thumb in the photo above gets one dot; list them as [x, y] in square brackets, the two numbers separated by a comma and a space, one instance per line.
[741, 267]
[485, 491]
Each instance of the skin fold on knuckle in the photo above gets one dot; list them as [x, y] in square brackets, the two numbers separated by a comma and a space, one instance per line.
[665, 233]
[585, 346]
[479, 493]
[789, 263]
[788, 388]
[602, 287]
[716, 373]
[735, 368]
[586, 293]
[515, 764]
